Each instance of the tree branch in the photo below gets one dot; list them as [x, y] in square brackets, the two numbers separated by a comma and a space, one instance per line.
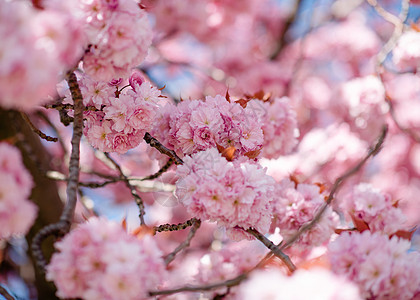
[161, 171]
[133, 190]
[171, 256]
[337, 185]
[175, 227]
[274, 249]
[283, 36]
[162, 149]
[63, 225]
[36, 130]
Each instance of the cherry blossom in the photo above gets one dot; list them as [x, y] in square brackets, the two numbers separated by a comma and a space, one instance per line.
[381, 267]
[296, 204]
[232, 194]
[16, 211]
[317, 283]
[99, 259]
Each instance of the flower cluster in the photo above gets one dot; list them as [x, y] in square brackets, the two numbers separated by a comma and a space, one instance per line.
[119, 34]
[194, 126]
[230, 193]
[376, 209]
[17, 213]
[316, 284]
[363, 103]
[381, 267]
[119, 123]
[407, 52]
[279, 126]
[35, 47]
[295, 205]
[99, 260]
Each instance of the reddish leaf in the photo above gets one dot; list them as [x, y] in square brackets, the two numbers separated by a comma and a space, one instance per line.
[322, 187]
[242, 102]
[143, 230]
[227, 96]
[405, 234]
[295, 179]
[252, 154]
[415, 27]
[396, 203]
[228, 153]
[359, 223]
[124, 223]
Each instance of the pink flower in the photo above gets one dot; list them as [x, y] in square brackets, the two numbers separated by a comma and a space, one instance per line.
[17, 213]
[295, 205]
[317, 284]
[407, 52]
[374, 208]
[229, 193]
[374, 262]
[99, 259]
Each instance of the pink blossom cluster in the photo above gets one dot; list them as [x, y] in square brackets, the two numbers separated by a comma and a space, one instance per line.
[315, 284]
[119, 35]
[36, 46]
[195, 125]
[17, 213]
[99, 260]
[406, 55]
[279, 126]
[229, 193]
[363, 105]
[375, 208]
[295, 205]
[120, 121]
[381, 267]
[229, 262]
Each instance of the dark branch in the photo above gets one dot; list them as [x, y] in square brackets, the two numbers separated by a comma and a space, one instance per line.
[6, 294]
[63, 225]
[37, 131]
[197, 288]
[175, 227]
[274, 249]
[283, 36]
[171, 256]
[161, 171]
[162, 149]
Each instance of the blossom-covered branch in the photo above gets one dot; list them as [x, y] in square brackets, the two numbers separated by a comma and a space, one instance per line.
[336, 186]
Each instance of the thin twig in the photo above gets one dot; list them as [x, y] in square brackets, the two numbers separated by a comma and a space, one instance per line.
[175, 227]
[283, 36]
[5, 293]
[44, 117]
[161, 171]
[171, 256]
[274, 249]
[337, 185]
[63, 225]
[36, 130]
[198, 288]
[133, 190]
[162, 149]
[398, 23]
[386, 49]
